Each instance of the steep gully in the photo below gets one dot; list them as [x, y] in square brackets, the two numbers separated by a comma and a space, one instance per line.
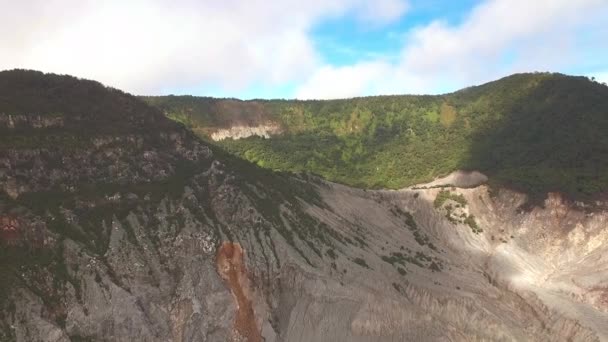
[231, 267]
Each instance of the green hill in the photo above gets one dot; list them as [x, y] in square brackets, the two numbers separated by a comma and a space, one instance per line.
[535, 132]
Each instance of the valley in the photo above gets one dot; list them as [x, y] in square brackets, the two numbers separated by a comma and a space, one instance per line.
[535, 133]
[119, 224]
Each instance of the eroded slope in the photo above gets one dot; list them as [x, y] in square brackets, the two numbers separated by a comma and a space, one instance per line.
[139, 231]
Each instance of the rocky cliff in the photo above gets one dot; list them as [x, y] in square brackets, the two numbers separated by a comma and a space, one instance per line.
[119, 225]
[240, 132]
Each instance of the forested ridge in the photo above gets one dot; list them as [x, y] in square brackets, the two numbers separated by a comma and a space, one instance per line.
[536, 132]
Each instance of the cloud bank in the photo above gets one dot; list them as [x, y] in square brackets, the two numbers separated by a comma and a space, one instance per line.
[497, 37]
[155, 46]
[145, 46]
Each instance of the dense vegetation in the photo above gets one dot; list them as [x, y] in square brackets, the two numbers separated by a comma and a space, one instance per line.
[78, 101]
[445, 195]
[536, 132]
[457, 201]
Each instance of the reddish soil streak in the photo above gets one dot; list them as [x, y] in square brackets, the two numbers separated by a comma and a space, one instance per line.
[9, 230]
[230, 266]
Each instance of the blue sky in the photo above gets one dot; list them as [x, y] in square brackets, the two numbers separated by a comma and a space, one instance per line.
[345, 40]
[313, 49]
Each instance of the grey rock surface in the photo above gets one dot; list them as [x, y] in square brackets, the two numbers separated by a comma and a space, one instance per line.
[156, 236]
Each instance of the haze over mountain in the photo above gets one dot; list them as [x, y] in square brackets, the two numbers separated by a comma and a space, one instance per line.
[119, 224]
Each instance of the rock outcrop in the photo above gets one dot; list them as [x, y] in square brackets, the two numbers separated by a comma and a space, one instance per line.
[240, 132]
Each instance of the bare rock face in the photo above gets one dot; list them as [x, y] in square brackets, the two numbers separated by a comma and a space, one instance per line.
[384, 265]
[426, 278]
[241, 132]
[147, 234]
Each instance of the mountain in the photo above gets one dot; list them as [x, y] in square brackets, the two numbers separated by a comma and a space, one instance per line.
[118, 224]
[535, 133]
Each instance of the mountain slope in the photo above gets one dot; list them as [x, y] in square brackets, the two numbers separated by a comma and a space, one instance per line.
[106, 202]
[120, 225]
[534, 132]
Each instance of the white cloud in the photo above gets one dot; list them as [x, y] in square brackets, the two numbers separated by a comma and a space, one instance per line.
[529, 35]
[382, 11]
[148, 46]
[144, 46]
[341, 82]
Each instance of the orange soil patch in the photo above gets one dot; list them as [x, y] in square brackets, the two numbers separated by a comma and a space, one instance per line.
[9, 230]
[230, 266]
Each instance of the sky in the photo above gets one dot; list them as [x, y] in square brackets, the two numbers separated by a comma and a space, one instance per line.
[303, 49]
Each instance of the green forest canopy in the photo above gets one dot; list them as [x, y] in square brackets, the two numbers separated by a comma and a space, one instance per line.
[535, 132]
